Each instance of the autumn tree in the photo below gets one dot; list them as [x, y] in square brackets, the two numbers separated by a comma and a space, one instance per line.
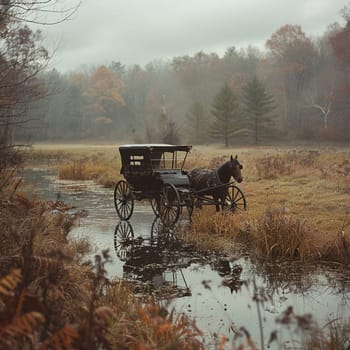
[104, 99]
[226, 118]
[258, 105]
[295, 54]
[340, 39]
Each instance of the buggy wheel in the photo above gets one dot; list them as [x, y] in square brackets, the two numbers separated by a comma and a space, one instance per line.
[123, 200]
[235, 199]
[155, 206]
[123, 239]
[169, 205]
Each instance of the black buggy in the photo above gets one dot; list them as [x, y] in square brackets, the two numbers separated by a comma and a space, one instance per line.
[155, 172]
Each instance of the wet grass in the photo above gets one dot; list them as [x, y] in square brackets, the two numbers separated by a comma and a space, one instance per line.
[51, 297]
[310, 185]
[100, 163]
[299, 213]
[298, 204]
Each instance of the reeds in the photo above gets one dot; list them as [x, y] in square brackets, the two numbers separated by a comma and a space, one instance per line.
[50, 297]
[274, 234]
[210, 230]
[280, 235]
[102, 171]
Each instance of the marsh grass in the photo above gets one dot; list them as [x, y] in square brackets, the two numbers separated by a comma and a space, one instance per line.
[333, 336]
[275, 234]
[103, 171]
[307, 334]
[285, 163]
[311, 184]
[153, 327]
[280, 235]
[219, 231]
[51, 297]
[84, 308]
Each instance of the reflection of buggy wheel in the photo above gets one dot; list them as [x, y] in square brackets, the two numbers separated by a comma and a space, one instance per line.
[235, 199]
[123, 239]
[123, 200]
[169, 205]
[155, 206]
[161, 234]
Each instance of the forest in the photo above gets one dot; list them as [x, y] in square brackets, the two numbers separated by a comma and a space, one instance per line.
[297, 88]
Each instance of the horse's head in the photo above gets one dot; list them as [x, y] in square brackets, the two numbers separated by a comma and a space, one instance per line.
[235, 169]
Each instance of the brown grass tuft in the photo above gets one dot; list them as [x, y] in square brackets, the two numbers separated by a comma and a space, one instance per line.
[279, 235]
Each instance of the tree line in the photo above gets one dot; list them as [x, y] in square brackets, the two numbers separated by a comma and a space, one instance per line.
[297, 88]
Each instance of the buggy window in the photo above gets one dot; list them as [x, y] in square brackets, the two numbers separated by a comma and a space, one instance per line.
[164, 160]
[136, 160]
[168, 160]
[136, 165]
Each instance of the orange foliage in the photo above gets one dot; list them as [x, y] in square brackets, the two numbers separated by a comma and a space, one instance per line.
[105, 85]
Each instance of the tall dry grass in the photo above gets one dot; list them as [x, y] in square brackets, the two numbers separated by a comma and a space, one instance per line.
[50, 297]
[103, 171]
[279, 235]
[311, 183]
[275, 234]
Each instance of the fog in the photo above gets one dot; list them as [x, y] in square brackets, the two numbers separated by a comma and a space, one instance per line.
[138, 31]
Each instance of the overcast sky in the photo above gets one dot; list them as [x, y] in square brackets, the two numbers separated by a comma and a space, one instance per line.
[139, 31]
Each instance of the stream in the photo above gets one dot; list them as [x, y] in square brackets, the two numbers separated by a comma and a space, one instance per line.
[219, 293]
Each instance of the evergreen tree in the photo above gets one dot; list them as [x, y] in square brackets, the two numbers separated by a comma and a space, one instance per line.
[258, 104]
[225, 111]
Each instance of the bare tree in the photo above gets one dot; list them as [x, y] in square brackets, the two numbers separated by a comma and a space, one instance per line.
[23, 57]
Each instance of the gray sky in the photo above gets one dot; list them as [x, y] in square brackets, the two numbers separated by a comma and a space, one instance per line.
[139, 31]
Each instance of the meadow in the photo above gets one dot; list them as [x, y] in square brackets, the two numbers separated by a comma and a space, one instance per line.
[50, 297]
[298, 197]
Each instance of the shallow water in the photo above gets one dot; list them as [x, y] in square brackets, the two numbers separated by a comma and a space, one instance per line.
[218, 292]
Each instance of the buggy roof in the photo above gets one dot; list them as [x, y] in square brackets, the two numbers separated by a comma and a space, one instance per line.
[155, 147]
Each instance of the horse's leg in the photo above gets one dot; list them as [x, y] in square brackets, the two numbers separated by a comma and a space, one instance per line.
[216, 200]
[223, 195]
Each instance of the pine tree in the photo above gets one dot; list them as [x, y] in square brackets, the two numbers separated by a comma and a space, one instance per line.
[258, 105]
[225, 111]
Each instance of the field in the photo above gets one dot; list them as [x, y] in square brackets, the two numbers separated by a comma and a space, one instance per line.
[298, 208]
[304, 188]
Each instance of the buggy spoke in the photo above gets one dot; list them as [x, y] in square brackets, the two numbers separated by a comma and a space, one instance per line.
[123, 200]
[123, 239]
[235, 199]
[169, 205]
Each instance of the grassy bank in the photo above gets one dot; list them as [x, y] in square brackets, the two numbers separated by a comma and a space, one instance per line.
[51, 298]
[298, 205]
[298, 197]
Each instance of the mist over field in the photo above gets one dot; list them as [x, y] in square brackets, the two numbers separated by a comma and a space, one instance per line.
[194, 72]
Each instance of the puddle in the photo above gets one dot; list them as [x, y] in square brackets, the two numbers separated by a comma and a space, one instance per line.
[218, 292]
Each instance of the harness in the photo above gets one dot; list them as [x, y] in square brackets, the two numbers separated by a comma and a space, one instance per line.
[214, 179]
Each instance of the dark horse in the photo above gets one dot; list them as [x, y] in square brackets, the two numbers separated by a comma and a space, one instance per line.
[201, 179]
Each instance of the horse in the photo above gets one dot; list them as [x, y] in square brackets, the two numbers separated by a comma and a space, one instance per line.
[202, 179]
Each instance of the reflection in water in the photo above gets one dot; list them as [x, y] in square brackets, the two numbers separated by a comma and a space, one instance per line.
[219, 292]
[155, 262]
